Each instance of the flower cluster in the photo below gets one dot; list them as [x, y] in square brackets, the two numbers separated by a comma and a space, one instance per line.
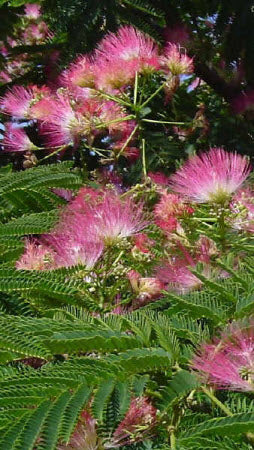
[98, 223]
[87, 104]
[228, 362]
[90, 223]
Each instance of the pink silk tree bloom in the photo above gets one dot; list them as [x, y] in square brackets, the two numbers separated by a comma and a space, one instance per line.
[18, 100]
[42, 109]
[242, 208]
[211, 177]
[106, 214]
[16, 140]
[110, 76]
[228, 363]
[64, 126]
[130, 45]
[177, 277]
[80, 73]
[176, 61]
[73, 245]
[37, 256]
[32, 11]
[137, 425]
[116, 219]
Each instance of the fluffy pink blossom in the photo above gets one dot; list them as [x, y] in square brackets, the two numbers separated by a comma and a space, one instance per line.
[84, 436]
[111, 217]
[228, 362]
[211, 177]
[176, 61]
[43, 108]
[64, 126]
[242, 207]
[37, 256]
[111, 76]
[32, 11]
[80, 73]
[16, 140]
[177, 276]
[118, 219]
[137, 425]
[18, 100]
[127, 46]
[74, 242]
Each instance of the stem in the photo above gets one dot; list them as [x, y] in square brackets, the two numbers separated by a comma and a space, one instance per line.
[144, 158]
[127, 141]
[112, 97]
[214, 399]
[135, 89]
[53, 153]
[130, 191]
[122, 119]
[163, 121]
[153, 94]
[222, 226]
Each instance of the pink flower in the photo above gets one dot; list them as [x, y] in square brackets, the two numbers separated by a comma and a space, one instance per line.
[242, 207]
[111, 217]
[16, 140]
[74, 243]
[176, 275]
[64, 126]
[228, 362]
[84, 436]
[80, 73]
[18, 100]
[127, 46]
[137, 424]
[176, 61]
[110, 76]
[32, 11]
[211, 177]
[37, 256]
